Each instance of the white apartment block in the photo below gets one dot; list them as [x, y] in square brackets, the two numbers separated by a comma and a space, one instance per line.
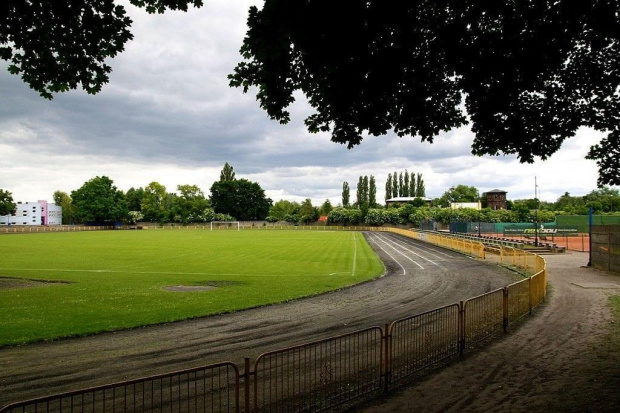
[34, 213]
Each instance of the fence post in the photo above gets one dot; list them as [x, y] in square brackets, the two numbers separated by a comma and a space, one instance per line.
[386, 358]
[461, 327]
[583, 247]
[529, 284]
[246, 384]
[505, 309]
[514, 256]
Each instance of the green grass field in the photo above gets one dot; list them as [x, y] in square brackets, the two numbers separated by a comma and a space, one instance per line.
[115, 279]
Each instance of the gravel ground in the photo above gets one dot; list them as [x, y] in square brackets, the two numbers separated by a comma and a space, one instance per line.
[560, 360]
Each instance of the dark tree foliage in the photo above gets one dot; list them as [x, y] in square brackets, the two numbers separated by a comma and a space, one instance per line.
[57, 45]
[345, 194]
[607, 157]
[243, 199]
[359, 196]
[133, 198]
[372, 192]
[395, 185]
[530, 73]
[63, 200]
[413, 185]
[98, 201]
[7, 205]
[420, 188]
[227, 173]
[388, 187]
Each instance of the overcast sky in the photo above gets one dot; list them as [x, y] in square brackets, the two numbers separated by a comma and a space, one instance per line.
[168, 115]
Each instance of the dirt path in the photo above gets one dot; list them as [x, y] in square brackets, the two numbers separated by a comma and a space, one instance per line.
[559, 360]
[419, 277]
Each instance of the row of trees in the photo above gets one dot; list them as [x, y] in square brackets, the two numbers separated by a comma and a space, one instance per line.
[404, 185]
[294, 212]
[410, 214]
[99, 201]
[603, 200]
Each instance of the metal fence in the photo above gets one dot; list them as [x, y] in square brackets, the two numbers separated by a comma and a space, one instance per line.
[212, 388]
[323, 374]
[484, 317]
[422, 340]
[518, 300]
[471, 247]
[319, 375]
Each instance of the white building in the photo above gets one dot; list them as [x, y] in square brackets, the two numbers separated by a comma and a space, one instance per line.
[473, 205]
[405, 199]
[34, 213]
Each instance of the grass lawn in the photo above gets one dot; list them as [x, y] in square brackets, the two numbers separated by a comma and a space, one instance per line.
[115, 279]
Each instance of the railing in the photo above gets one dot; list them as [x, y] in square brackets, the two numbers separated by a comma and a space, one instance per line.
[319, 375]
[484, 317]
[422, 340]
[473, 248]
[212, 388]
[324, 374]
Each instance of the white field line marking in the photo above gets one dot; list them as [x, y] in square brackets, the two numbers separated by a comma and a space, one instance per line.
[170, 272]
[400, 252]
[430, 251]
[373, 239]
[353, 234]
[404, 246]
[434, 249]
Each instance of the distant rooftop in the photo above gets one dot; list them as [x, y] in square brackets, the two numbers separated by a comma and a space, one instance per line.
[497, 191]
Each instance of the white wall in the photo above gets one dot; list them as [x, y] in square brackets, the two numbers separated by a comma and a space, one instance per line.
[31, 213]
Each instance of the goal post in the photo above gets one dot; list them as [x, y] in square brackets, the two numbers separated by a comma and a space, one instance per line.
[225, 225]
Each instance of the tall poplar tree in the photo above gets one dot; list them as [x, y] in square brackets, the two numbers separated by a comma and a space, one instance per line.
[406, 184]
[227, 174]
[420, 190]
[345, 194]
[395, 184]
[412, 185]
[388, 187]
[400, 184]
[372, 192]
[360, 192]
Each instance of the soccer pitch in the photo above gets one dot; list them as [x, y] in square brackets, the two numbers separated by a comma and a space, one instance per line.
[111, 280]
